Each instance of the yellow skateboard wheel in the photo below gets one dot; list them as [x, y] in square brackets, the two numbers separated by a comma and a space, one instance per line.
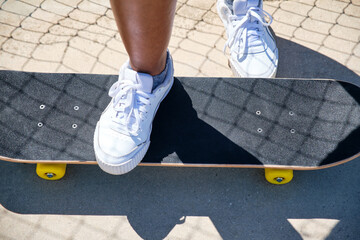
[278, 176]
[50, 171]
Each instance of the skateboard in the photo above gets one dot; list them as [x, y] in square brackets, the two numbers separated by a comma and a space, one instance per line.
[280, 125]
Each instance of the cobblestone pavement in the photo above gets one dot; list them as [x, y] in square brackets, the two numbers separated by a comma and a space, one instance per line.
[81, 36]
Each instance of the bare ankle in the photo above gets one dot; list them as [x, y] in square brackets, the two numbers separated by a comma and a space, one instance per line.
[150, 66]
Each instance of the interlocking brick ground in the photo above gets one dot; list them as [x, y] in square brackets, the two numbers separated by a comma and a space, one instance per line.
[81, 35]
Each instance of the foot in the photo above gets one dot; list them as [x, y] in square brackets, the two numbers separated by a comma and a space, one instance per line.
[253, 51]
[122, 135]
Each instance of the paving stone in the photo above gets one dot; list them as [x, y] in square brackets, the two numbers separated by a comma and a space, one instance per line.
[183, 22]
[40, 66]
[63, 69]
[275, 4]
[209, 28]
[349, 21]
[219, 57]
[10, 18]
[203, 4]
[6, 30]
[282, 28]
[78, 60]
[179, 32]
[100, 30]
[70, 23]
[11, 61]
[178, 6]
[107, 23]
[175, 41]
[46, 16]
[71, 3]
[98, 38]
[213, 69]
[18, 47]
[356, 50]
[190, 58]
[104, 3]
[312, 46]
[192, 46]
[50, 52]
[316, 26]
[355, 2]
[353, 10]
[18, 7]
[35, 3]
[49, 38]
[87, 46]
[92, 7]
[66, 226]
[56, 7]
[112, 58]
[110, 14]
[331, 5]
[191, 12]
[171, 49]
[116, 45]
[309, 36]
[308, 2]
[219, 45]
[181, 69]
[35, 25]
[323, 15]
[26, 36]
[339, 44]
[60, 30]
[270, 9]
[212, 18]
[214, 9]
[85, 17]
[335, 55]
[2, 40]
[353, 63]
[207, 39]
[346, 33]
[288, 17]
[100, 68]
[295, 7]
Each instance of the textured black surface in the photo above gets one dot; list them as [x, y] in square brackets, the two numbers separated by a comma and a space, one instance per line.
[203, 120]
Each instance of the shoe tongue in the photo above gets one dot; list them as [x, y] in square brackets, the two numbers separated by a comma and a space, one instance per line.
[143, 79]
[240, 6]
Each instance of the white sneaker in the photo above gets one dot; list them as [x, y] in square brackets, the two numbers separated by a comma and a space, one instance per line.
[253, 51]
[122, 135]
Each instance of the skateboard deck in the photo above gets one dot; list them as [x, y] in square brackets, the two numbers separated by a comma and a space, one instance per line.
[203, 122]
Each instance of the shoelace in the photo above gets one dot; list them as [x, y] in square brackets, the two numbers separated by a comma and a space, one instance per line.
[252, 31]
[130, 105]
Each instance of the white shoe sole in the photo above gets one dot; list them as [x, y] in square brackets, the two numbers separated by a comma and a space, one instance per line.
[130, 164]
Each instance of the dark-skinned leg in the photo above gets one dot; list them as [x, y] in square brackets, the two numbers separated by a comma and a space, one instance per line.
[145, 28]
